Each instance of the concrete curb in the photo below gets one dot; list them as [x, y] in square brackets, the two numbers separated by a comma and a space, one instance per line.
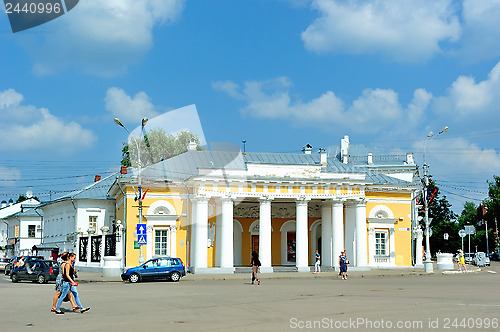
[471, 270]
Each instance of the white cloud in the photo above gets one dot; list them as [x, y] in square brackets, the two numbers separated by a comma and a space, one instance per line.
[481, 29]
[467, 98]
[9, 176]
[405, 30]
[129, 109]
[102, 37]
[374, 110]
[28, 128]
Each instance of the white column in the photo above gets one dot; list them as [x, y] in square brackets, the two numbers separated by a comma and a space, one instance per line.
[337, 230]
[326, 234]
[350, 229]
[226, 235]
[265, 235]
[89, 247]
[104, 231]
[200, 228]
[361, 235]
[302, 236]
[173, 241]
[418, 248]
[218, 229]
[192, 241]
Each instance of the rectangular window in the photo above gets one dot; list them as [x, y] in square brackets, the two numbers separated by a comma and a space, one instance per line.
[381, 244]
[31, 230]
[93, 223]
[161, 242]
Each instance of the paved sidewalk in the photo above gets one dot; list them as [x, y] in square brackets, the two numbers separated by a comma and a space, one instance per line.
[97, 277]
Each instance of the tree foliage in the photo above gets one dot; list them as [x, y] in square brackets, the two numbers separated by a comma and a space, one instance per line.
[156, 146]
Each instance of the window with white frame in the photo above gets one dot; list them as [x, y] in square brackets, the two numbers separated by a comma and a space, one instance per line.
[93, 222]
[31, 230]
[381, 245]
[161, 242]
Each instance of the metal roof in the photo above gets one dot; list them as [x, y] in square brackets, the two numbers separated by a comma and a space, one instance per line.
[96, 190]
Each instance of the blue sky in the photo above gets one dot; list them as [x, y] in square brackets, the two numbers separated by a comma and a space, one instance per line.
[278, 74]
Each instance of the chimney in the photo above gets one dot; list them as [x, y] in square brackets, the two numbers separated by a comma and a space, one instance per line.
[307, 149]
[344, 149]
[192, 145]
[123, 170]
[97, 178]
[409, 159]
[4, 204]
[370, 159]
[324, 156]
[11, 202]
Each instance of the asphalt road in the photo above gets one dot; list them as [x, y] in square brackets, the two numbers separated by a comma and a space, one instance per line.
[463, 302]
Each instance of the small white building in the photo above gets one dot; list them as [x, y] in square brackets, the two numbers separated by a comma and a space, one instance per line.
[84, 213]
[18, 227]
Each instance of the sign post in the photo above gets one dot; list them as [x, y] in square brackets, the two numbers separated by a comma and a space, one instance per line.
[462, 234]
[469, 229]
[142, 238]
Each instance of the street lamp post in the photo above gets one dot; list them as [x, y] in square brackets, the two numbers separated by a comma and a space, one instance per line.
[144, 121]
[428, 267]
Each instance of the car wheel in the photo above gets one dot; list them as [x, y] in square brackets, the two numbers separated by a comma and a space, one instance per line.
[134, 277]
[175, 276]
[14, 277]
[41, 279]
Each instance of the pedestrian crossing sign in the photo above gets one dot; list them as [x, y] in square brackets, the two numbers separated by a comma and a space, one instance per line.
[142, 240]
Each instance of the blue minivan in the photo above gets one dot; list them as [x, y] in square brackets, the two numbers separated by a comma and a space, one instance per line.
[156, 268]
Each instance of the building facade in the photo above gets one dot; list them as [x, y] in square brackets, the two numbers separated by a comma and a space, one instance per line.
[212, 209]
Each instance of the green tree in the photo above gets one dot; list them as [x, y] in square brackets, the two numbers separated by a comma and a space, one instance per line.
[492, 216]
[156, 146]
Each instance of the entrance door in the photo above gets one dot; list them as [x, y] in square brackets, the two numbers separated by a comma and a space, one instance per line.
[290, 243]
[255, 243]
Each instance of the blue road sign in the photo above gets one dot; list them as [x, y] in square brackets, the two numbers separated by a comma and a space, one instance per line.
[141, 229]
[142, 240]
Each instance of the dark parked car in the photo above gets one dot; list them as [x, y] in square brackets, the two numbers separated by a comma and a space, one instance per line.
[156, 268]
[13, 261]
[494, 256]
[41, 271]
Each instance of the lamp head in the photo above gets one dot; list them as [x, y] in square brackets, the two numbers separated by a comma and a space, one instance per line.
[430, 134]
[445, 129]
[118, 122]
[144, 121]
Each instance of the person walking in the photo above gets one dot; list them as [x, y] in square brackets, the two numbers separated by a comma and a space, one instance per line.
[461, 261]
[318, 262]
[69, 284]
[255, 266]
[343, 265]
[59, 284]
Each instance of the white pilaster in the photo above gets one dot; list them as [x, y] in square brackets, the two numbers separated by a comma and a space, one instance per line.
[200, 228]
[173, 241]
[337, 230]
[226, 235]
[265, 235]
[361, 235]
[149, 245]
[371, 247]
[192, 242]
[302, 236]
[218, 229]
[326, 234]
[392, 247]
[418, 248]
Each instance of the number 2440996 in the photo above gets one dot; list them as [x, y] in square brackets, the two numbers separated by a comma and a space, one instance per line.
[33, 8]
[471, 323]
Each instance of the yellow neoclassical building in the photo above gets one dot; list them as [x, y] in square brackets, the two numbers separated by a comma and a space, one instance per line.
[213, 208]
